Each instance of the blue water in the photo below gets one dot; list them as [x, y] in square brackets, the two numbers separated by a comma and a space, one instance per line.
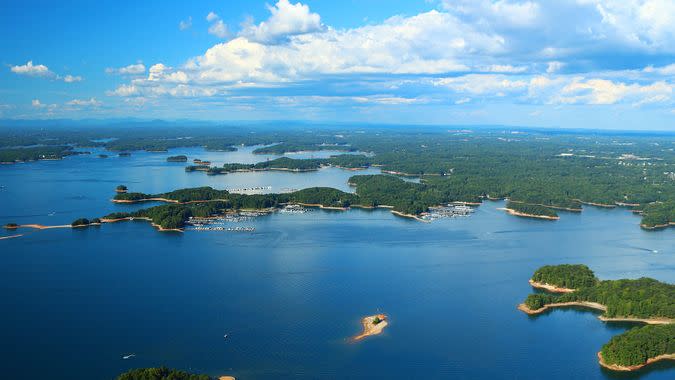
[291, 294]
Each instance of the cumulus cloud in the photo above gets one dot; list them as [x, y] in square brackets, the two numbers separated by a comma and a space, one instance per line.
[286, 20]
[554, 66]
[72, 79]
[603, 91]
[185, 24]
[42, 71]
[32, 70]
[466, 51]
[217, 27]
[133, 69]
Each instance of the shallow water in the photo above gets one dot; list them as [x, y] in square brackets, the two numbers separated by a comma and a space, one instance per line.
[290, 294]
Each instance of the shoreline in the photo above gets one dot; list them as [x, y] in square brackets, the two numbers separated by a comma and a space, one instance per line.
[130, 219]
[551, 206]
[550, 288]
[411, 216]
[591, 305]
[10, 236]
[524, 215]
[657, 226]
[617, 367]
[595, 306]
[369, 328]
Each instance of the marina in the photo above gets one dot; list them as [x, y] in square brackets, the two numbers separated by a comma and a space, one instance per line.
[451, 210]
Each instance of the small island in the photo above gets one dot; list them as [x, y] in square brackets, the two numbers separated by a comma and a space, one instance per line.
[11, 226]
[643, 300]
[372, 325]
[121, 189]
[179, 158]
[658, 215]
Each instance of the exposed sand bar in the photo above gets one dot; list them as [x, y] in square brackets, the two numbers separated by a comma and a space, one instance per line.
[370, 328]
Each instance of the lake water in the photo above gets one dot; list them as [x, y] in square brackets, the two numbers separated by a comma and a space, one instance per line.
[290, 294]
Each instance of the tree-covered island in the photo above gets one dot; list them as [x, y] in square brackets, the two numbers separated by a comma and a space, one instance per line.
[179, 158]
[643, 300]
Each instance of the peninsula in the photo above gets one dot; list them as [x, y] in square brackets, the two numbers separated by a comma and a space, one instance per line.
[643, 300]
[164, 373]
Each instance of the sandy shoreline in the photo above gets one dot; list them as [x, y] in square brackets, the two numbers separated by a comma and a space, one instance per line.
[657, 226]
[550, 288]
[616, 367]
[10, 236]
[591, 305]
[369, 328]
[596, 306]
[552, 206]
[522, 214]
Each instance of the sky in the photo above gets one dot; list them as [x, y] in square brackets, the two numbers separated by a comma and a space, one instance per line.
[600, 64]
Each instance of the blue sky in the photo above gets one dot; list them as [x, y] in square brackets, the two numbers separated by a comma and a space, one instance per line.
[569, 63]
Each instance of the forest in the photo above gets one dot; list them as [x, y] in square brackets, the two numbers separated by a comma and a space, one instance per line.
[640, 298]
[529, 209]
[161, 373]
[638, 344]
[568, 276]
[35, 153]
[178, 158]
[547, 168]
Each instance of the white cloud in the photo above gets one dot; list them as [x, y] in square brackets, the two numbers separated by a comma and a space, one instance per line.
[286, 20]
[217, 27]
[485, 84]
[212, 16]
[505, 69]
[462, 101]
[72, 79]
[32, 70]
[92, 102]
[603, 91]
[663, 70]
[554, 66]
[185, 24]
[48, 108]
[640, 23]
[133, 69]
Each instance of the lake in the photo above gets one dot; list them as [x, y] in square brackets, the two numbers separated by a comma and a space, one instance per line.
[290, 294]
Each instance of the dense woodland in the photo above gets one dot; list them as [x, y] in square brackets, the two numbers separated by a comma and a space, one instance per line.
[178, 158]
[638, 344]
[658, 215]
[546, 168]
[35, 153]
[641, 298]
[161, 373]
[569, 276]
[530, 209]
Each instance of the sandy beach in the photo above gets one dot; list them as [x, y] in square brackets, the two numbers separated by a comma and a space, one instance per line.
[550, 288]
[518, 213]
